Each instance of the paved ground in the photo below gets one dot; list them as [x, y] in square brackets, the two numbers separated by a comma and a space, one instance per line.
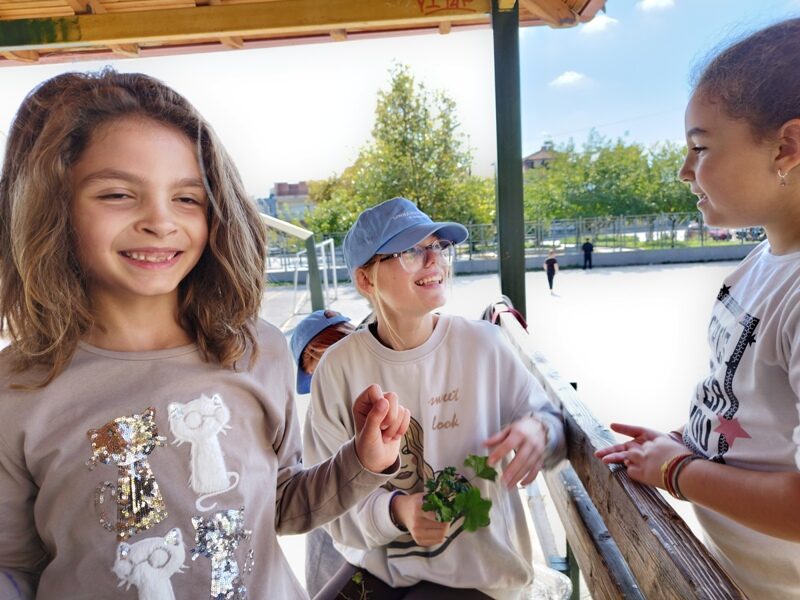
[633, 338]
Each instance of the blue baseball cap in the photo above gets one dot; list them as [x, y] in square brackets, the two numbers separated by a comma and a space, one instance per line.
[307, 330]
[393, 226]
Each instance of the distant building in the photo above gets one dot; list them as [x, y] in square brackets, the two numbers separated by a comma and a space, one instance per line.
[287, 201]
[268, 206]
[540, 158]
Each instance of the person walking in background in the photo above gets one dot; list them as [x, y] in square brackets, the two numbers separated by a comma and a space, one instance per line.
[551, 268]
[311, 338]
[737, 459]
[588, 248]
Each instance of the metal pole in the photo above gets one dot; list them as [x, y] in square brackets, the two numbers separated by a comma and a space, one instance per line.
[315, 285]
[510, 213]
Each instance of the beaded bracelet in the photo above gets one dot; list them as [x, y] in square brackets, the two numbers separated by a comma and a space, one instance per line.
[670, 471]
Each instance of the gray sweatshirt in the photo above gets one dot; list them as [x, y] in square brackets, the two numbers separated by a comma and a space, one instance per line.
[156, 475]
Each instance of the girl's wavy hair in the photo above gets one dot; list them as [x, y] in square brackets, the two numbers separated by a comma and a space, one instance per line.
[44, 305]
[756, 79]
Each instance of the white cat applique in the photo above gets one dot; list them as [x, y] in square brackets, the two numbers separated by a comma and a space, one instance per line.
[149, 563]
[199, 422]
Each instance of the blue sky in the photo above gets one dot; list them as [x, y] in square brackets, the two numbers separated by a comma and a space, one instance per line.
[302, 112]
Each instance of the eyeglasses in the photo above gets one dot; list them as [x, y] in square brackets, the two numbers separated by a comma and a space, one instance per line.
[415, 257]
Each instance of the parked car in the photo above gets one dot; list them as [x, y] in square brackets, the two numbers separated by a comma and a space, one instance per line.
[751, 234]
[719, 233]
[715, 233]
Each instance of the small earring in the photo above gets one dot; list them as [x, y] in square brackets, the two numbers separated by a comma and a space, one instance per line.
[782, 177]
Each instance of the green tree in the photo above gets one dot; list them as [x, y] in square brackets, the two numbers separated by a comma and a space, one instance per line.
[607, 178]
[415, 152]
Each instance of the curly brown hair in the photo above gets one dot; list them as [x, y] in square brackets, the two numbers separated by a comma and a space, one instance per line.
[756, 79]
[44, 305]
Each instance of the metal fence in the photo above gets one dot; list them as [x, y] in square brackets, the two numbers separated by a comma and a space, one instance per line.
[608, 234]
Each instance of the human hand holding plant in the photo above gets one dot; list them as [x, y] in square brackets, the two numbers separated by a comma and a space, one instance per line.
[451, 495]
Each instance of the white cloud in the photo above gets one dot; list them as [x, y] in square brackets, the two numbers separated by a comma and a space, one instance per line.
[568, 78]
[655, 4]
[600, 23]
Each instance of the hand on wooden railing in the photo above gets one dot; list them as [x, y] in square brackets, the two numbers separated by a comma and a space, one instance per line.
[644, 455]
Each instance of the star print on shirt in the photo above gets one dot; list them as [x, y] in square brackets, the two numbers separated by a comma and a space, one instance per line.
[731, 429]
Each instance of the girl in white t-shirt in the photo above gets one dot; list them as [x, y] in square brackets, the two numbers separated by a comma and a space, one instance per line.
[737, 457]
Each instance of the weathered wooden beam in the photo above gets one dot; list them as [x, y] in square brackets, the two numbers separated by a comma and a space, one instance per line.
[666, 559]
[339, 35]
[282, 17]
[604, 569]
[553, 12]
[27, 56]
[445, 27]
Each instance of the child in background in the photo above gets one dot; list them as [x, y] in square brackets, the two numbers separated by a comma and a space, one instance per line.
[310, 339]
[737, 459]
[131, 273]
[467, 390]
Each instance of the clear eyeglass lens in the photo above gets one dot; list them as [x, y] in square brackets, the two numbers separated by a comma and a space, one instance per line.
[414, 258]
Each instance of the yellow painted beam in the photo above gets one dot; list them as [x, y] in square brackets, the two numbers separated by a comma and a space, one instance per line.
[506, 4]
[282, 17]
[553, 12]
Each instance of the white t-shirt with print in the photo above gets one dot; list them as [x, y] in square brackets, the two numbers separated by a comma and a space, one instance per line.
[746, 413]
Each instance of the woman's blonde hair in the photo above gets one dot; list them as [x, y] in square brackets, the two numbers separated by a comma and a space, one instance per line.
[44, 305]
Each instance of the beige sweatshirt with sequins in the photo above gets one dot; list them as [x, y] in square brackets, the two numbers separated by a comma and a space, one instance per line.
[145, 474]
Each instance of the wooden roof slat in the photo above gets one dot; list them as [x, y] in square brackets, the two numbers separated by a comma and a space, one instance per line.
[51, 4]
[128, 50]
[236, 43]
[78, 6]
[25, 56]
[554, 12]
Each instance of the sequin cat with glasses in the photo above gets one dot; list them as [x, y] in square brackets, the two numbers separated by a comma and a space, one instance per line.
[414, 258]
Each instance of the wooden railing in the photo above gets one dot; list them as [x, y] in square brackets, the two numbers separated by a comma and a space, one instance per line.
[626, 539]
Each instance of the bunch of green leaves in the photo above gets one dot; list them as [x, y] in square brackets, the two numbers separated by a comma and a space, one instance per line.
[451, 495]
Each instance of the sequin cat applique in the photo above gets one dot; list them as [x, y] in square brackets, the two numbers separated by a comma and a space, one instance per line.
[149, 563]
[199, 422]
[127, 442]
[217, 538]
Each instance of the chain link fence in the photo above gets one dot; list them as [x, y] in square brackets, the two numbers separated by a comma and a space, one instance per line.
[608, 234]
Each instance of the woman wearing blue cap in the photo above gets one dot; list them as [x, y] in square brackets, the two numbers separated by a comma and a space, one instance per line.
[467, 391]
